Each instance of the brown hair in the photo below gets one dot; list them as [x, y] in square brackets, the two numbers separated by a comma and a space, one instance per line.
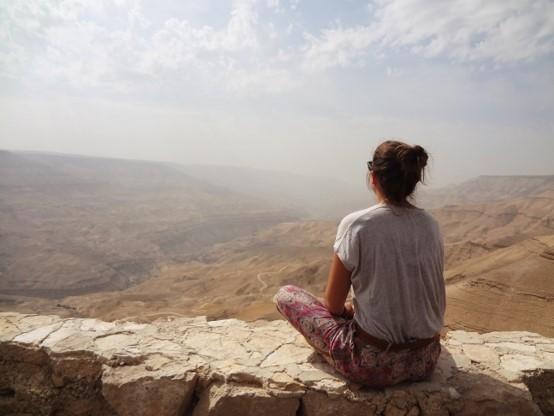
[398, 168]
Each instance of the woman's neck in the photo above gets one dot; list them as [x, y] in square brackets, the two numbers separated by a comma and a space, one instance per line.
[382, 200]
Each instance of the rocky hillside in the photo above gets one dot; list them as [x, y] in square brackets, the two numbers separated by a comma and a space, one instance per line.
[472, 230]
[506, 288]
[121, 239]
[72, 225]
[228, 367]
[497, 288]
[484, 189]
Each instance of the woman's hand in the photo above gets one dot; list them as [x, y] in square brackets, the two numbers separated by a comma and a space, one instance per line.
[349, 310]
[338, 285]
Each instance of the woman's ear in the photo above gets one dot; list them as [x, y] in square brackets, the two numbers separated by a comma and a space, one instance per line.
[372, 179]
[375, 184]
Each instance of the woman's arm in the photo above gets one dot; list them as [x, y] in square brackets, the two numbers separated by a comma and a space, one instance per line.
[338, 285]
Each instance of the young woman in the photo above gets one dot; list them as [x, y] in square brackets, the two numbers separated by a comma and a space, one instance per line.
[391, 254]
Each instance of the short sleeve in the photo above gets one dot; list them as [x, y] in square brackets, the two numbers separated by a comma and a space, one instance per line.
[440, 243]
[346, 244]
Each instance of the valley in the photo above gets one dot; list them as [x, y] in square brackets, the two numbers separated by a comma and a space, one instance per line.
[141, 241]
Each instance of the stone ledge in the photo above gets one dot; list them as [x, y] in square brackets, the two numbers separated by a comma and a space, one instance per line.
[191, 366]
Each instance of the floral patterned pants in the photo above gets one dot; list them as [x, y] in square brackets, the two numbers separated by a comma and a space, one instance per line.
[335, 339]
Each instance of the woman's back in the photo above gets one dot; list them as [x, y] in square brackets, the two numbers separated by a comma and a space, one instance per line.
[391, 255]
[395, 255]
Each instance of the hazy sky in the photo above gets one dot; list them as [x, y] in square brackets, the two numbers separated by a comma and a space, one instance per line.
[296, 85]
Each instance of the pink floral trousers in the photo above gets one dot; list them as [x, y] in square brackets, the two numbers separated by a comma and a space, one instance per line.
[335, 339]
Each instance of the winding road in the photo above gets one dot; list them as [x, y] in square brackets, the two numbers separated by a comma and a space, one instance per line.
[262, 282]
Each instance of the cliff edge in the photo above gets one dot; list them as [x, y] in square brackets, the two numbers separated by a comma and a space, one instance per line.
[191, 366]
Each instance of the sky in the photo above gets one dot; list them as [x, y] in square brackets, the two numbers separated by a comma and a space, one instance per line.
[304, 86]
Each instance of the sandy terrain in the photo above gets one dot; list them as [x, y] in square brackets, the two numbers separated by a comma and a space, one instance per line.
[510, 288]
[71, 226]
[142, 241]
[471, 230]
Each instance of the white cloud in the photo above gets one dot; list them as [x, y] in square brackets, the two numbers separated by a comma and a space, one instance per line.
[262, 80]
[111, 44]
[502, 31]
[62, 41]
[497, 31]
[272, 4]
[336, 47]
[241, 29]
[239, 33]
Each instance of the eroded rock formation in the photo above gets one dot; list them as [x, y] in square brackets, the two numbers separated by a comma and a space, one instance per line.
[50, 365]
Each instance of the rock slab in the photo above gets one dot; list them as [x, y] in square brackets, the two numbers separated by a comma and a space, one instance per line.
[195, 367]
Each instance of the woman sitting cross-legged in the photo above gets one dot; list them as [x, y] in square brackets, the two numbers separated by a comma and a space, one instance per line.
[391, 255]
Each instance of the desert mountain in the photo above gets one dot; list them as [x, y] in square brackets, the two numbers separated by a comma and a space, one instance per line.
[499, 270]
[142, 240]
[473, 229]
[506, 289]
[233, 279]
[72, 224]
[483, 189]
[320, 197]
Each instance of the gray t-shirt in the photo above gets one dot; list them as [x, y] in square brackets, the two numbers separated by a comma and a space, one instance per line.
[396, 257]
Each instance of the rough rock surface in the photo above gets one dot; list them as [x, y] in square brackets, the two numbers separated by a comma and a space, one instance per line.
[50, 365]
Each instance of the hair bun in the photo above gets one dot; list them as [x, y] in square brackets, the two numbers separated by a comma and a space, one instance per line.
[398, 167]
[420, 155]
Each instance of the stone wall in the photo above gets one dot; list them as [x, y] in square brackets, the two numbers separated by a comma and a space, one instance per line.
[50, 365]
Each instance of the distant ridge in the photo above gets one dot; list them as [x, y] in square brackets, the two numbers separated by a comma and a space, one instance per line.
[77, 224]
[477, 228]
[487, 188]
[315, 196]
[323, 197]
